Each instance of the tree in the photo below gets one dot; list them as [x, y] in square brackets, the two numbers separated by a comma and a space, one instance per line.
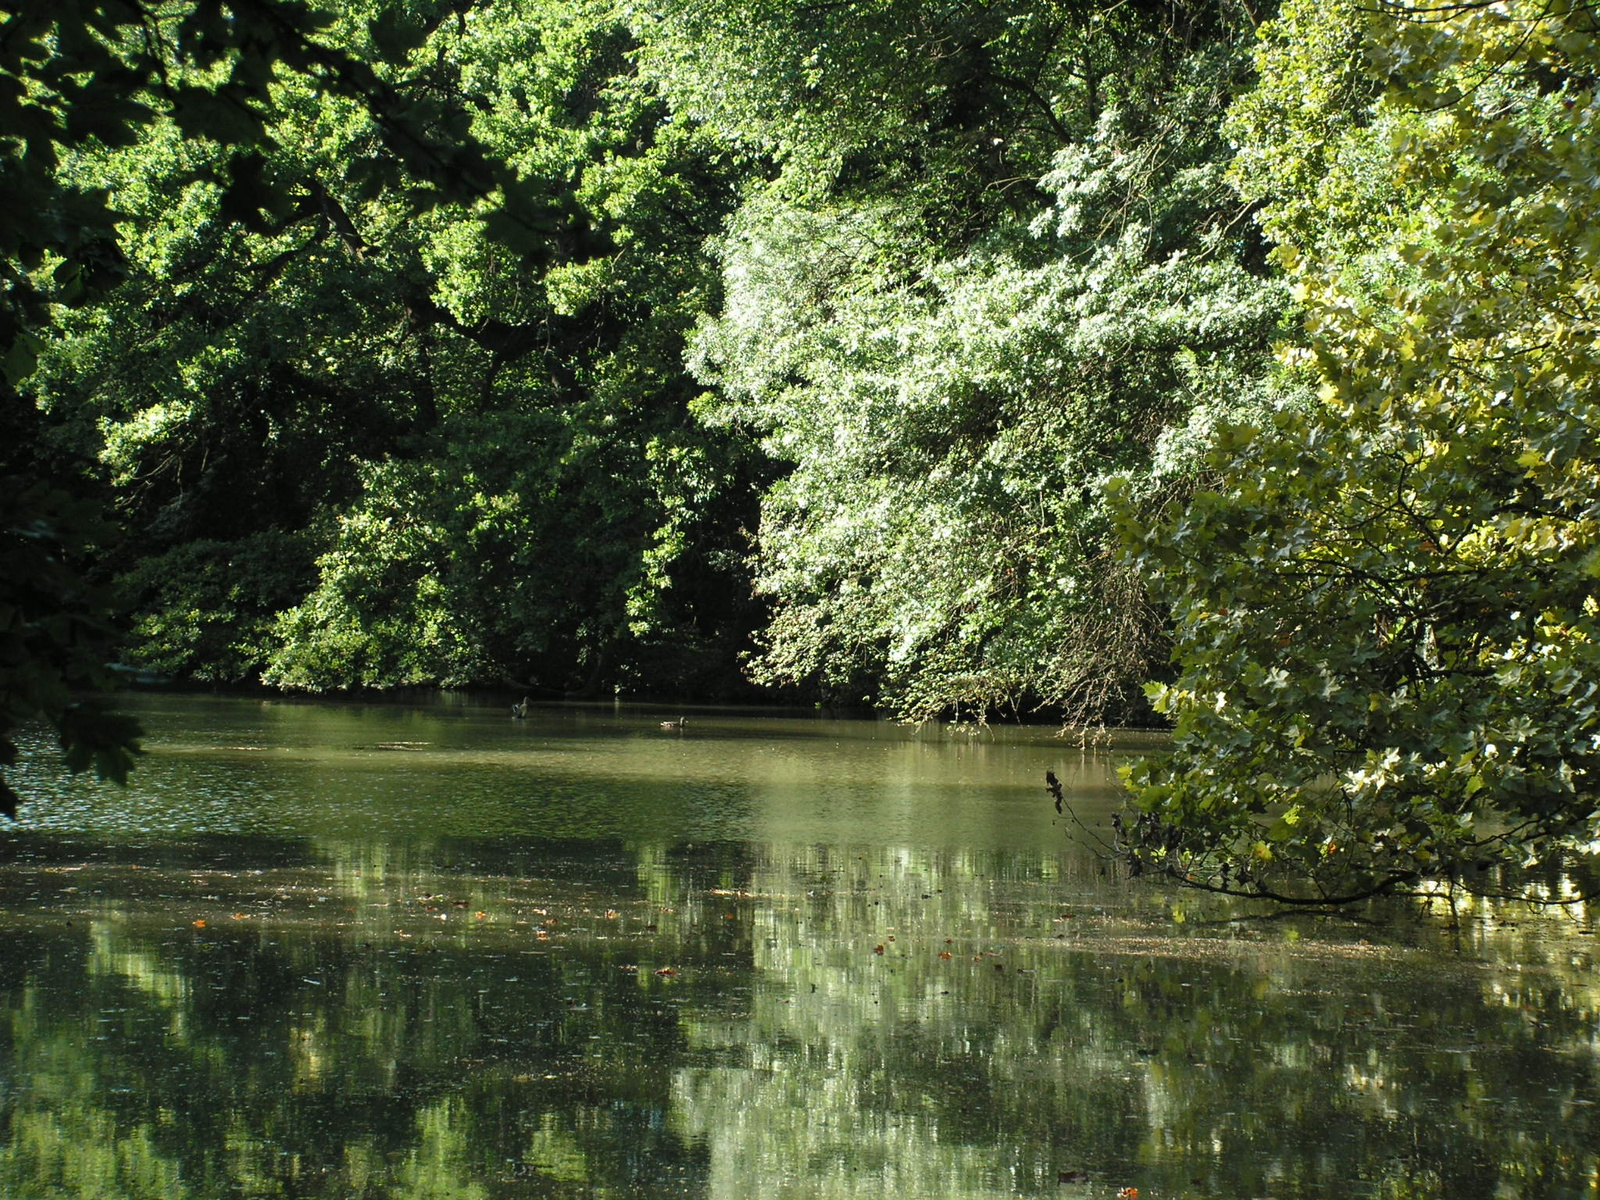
[84, 74]
[1386, 615]
[1009, 270]
[359, 445]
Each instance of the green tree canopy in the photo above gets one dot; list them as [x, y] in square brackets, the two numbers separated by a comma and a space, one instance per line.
[82, 79]
[363, 444]
[952, 397]
[1386, 615]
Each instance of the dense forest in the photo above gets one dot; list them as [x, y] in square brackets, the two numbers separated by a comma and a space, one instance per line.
[980, 359]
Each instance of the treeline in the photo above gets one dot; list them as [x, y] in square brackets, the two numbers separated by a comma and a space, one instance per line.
[985, 358]
[830, 324]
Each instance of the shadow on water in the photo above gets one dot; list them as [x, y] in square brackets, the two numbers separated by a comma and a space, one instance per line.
[819, 967]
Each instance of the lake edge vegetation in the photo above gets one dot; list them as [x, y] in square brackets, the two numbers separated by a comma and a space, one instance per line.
[978, 360]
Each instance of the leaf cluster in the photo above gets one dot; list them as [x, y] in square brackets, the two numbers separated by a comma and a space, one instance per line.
[954, 414]
[1385, 618]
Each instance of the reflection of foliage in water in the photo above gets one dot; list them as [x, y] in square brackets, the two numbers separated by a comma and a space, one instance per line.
[362, 1032]
[1212, 1067]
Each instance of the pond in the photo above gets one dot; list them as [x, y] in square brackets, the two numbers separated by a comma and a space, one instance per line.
[389, 951]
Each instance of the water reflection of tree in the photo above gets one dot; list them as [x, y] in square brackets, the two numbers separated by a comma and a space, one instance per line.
[329, 1056]
[302, 1061]
[1357, 1067]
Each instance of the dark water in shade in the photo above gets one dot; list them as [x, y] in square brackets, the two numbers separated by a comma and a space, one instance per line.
[386, 952]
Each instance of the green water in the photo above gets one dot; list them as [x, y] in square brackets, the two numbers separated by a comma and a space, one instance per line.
[385, 951]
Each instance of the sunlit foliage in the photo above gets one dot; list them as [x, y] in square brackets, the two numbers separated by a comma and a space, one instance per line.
[1386, 619]
[365, 442]
[951, 395]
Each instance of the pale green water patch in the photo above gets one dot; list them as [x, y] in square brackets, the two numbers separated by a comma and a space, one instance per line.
[371, 770]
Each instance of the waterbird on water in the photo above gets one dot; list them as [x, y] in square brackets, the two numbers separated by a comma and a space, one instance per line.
[678, 724]
[518, 711]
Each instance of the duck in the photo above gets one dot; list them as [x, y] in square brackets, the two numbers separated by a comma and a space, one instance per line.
[678, 724]
[518, 711]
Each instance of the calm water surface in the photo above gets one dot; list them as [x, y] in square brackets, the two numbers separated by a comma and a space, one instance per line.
[395, 952]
